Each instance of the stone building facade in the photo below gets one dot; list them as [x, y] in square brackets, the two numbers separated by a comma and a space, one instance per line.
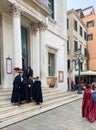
[33, 33]
[77, 39]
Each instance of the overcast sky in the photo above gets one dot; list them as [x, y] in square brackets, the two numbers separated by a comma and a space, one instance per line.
[76, 4]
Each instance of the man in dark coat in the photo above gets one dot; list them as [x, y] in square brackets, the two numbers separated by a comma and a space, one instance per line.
[17, 85]
[37, 91]
[30, 72]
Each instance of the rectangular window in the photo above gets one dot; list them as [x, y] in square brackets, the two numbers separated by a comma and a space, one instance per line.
[51, 64]
[75, 25]
[80, 31]
[89, 37]
[90, 24]
[75, 46]
[51, 6]
[68, 64]
[67, 23]
[81, 48]
[68, 46]
[85, 36]
[85, 52]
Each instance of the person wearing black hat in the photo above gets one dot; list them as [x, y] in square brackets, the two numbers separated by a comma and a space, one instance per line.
[30, 72]
[17, 85]
[30, 82]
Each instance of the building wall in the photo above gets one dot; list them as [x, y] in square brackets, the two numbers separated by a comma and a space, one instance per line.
[74, 35]
[43, 33]
[92, 43]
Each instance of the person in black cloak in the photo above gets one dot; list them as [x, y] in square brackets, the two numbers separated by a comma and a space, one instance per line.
[37, 91]
[25, 89]
[30, 88]
[17, 85]
[30, 72]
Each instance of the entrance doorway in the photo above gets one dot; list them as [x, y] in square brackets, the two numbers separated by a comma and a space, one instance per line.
[24, 47]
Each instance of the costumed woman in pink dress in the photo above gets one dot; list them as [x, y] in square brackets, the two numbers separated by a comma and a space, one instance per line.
[89, 103]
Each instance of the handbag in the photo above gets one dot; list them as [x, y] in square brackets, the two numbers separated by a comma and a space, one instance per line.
[94, 96]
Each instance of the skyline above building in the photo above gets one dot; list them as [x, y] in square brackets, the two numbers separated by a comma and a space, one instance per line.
[80, 4]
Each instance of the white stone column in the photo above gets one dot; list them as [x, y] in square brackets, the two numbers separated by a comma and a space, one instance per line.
[35, 49]
[17, 47]
[42, 39]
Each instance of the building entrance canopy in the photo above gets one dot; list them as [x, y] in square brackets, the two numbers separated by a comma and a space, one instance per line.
[85, 73]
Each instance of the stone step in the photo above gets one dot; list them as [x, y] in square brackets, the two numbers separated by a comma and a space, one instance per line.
[10, 113]
[30, 113]
[26, 108]
[50, 96]
[47, 101]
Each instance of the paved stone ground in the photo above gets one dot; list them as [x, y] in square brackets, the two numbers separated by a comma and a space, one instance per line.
[66, 117]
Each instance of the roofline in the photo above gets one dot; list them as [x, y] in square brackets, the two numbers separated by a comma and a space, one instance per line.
[75, 13]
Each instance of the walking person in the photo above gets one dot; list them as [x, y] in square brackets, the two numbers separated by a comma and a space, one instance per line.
[37, 91]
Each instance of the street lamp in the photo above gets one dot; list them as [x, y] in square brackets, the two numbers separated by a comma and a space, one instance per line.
[78, 57]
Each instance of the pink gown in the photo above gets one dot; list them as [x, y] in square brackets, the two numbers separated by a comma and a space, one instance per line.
[88, 106]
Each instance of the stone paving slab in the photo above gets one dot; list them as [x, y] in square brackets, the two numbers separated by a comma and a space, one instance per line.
[66, 117]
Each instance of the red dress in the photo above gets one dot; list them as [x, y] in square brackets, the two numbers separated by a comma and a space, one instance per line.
[88, 106]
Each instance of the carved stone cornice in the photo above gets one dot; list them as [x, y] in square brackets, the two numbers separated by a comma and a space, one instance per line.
[42, 26]
[15, 10]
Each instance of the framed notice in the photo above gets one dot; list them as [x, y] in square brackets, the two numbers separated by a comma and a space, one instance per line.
[61, 76]
[8, 65]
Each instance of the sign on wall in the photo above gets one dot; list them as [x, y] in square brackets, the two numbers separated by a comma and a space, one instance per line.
[8, 65]
[61, 76]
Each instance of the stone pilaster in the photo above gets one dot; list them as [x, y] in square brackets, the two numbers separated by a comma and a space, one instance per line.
[42, 36]
[34, 48]
[17, 47]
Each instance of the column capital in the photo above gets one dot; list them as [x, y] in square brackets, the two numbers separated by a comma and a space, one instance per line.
[15, 10]
[34, 27]
[42, 26]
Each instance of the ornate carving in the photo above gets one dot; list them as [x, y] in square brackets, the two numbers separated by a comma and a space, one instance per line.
[42, 26]
[15, 9]
[34, 27]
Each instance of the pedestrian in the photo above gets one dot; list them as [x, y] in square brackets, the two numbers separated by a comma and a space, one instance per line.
[37, 91]
[72, 85]
[30, 88]
[17, 87]
[89, 104]
[30, 72]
